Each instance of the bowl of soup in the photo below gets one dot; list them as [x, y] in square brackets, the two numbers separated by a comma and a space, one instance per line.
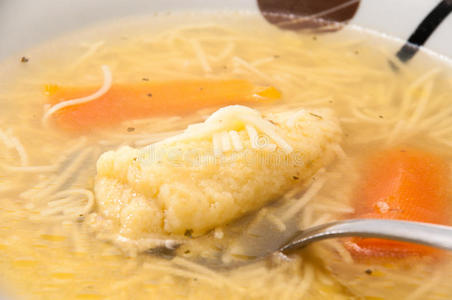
[144, 146]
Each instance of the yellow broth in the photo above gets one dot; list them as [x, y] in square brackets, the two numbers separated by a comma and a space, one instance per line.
[348, 71]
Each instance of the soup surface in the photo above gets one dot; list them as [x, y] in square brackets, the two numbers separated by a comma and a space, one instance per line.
[49, 247]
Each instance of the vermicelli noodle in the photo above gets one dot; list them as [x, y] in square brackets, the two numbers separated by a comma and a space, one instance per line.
[54, 244]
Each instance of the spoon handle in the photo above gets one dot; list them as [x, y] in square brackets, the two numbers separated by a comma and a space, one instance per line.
[438, 236]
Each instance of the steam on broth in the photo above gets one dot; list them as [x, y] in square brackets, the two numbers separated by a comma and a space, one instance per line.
[49, 247]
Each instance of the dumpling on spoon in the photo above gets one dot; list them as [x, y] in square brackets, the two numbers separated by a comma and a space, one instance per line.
[235, 162]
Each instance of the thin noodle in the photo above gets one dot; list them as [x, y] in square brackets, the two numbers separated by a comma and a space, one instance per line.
[32, 169]
[308, 195]
[203, 270]
[247, 66]
[308, 277]
[54, 184]
[64, 209]
[108, 80]
[280, 225]
[182, 273]
[201, 56]
[420, 292]
[89, 53]
[13, 142]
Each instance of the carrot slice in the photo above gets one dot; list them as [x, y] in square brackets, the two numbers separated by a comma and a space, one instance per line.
[404, 184]
[141, 100]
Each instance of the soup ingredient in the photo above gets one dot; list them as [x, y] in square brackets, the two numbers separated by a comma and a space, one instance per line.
[119, 102]
[60, 260]
[405, 184]
[214, 172]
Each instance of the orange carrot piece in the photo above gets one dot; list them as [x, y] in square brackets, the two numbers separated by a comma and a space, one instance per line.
[404, 184]
[141, 100]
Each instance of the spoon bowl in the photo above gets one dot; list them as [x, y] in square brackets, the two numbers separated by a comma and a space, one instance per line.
[273, 242]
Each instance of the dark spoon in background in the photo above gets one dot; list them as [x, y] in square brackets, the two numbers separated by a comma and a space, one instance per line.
[331, 15]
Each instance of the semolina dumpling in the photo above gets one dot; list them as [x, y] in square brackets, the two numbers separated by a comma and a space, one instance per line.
[235, 162]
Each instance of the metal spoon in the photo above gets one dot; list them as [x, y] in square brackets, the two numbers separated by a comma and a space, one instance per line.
[433, 235]
[251, 247]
